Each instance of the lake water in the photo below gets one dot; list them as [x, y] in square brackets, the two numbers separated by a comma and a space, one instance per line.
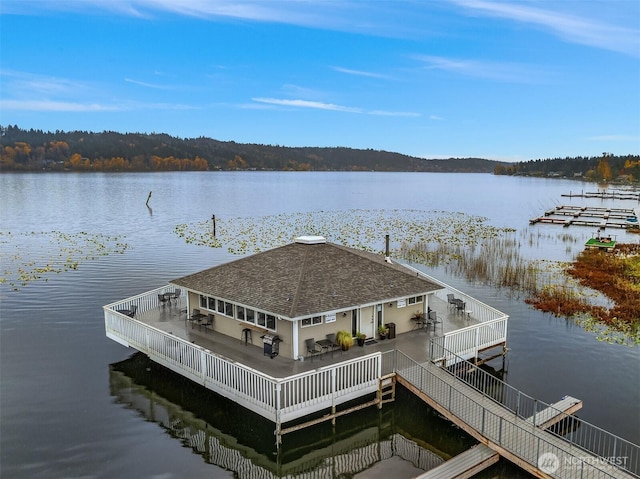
[65, 411]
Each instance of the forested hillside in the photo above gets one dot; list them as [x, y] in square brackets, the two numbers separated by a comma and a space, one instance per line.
[35, 150]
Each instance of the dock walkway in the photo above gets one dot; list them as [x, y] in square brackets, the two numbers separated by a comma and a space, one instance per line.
[534, 449]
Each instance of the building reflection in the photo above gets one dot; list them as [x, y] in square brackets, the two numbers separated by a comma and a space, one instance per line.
[240, 441]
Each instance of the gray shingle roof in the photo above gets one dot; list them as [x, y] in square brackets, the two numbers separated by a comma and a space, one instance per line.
[299, 280]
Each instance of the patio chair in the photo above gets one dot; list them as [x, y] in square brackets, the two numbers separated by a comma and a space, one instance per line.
[176, 294]
[194, 318]
[162, 299]
[334, 345]
[451, 300]
[312, 350]
[208, 321]
[433, 319]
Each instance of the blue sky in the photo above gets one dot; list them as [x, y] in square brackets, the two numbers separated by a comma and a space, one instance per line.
[507, 80]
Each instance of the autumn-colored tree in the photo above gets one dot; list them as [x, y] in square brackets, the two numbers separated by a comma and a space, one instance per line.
[8, 157]
[603, 169]
[237, 163]
[57, 150]
[200, 164]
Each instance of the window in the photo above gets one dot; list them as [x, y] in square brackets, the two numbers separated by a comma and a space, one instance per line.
[271, 321]
[240, 313]
[414, 300]
[311, 321]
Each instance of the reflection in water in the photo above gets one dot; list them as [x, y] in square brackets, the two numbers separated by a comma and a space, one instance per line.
[238, 440]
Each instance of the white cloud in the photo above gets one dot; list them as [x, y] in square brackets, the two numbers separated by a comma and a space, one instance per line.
[48, 105]
[615, 138]
[148, 85]
[393, 113]
[307, 104]
[331, 106]
[498, 71]
[349, 71]
[570, 27]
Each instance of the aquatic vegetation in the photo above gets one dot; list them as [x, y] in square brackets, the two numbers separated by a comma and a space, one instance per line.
[616, 276]
[33, 256]
[361, 229]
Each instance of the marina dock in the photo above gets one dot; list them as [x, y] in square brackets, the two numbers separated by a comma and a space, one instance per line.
[604, 195]
[596, 217]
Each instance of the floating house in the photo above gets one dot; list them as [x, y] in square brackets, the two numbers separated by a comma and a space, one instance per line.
[251, 328]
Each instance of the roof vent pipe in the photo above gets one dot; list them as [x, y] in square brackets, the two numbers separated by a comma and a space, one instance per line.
[386, 249]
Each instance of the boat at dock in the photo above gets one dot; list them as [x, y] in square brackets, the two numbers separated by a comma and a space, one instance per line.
[632, 220]
[599, 241]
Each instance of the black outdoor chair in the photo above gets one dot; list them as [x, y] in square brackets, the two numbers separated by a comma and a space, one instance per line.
[312, 349]
[162, 299]
[194, 318]
[176, 294]
[208, 321]
[451, 300]
[334, 345]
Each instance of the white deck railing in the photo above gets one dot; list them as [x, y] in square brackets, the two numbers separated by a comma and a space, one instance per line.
[467, 342]
[278, 399]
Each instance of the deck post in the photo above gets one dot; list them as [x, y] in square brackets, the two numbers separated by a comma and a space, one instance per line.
[278, 416]
[203, 367]
[333, 396]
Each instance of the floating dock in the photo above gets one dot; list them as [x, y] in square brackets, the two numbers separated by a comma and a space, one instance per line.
[464, 465]
[556, 412]
[595, 217]
[605, 195]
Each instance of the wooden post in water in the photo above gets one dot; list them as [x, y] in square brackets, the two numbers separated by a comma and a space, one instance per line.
[148, 198]
[213, 219]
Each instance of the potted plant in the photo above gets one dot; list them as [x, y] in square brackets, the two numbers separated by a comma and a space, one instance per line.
[383, 331]
[344, 339]
[360, 337]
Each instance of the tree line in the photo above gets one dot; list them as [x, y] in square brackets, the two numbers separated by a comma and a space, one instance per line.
[606, 167]
[108, 151]
[35, 150]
